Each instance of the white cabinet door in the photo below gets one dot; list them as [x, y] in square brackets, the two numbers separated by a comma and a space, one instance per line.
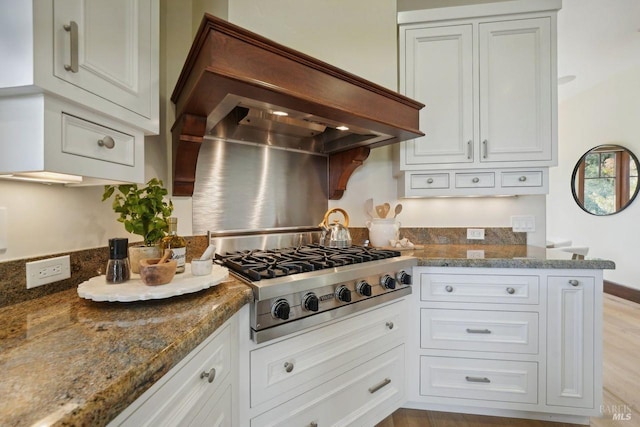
[570, 341]
[106, 49]
[515, 90]
[439, 72]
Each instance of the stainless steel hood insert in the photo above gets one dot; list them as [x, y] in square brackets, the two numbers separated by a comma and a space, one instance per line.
[234, 80]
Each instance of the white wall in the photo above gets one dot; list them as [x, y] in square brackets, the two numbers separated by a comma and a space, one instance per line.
[606, 114]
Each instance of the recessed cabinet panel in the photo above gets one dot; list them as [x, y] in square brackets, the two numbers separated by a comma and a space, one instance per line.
[475, 180]
[105, 48]
[515, 90]
[476, 288]
[434, 180]
[522, 179]
[439, 73]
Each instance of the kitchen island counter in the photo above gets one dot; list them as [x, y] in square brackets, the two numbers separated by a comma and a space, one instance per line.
[69, 361]
[502, 256]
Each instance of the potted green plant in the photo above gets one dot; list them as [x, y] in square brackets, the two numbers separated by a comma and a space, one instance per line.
[144, 212]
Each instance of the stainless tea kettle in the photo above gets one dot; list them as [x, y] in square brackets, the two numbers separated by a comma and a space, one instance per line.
[335, 235]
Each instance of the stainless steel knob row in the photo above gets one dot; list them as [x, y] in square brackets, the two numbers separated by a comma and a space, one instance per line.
[574, 282]
[522, 178]
[288, 366]
[389, 325]
[429, 180]
[211, 375]
[475, 180]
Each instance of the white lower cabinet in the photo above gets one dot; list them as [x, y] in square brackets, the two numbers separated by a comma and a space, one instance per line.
[199, 391]
[348, 372]
[513, 342]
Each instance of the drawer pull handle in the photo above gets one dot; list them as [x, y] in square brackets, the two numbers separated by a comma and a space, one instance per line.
[288, 366]
[313, 424]
[448, 288]
[429, 180]
[511, 291]
[72, 29]
[469, 149]
[211, 375]
[475, 180]
[389, 325]
[522, 178]
[484, 149]
[379, 386]
[107, 142]
[478, 379]
[478, 331]
[574, 282]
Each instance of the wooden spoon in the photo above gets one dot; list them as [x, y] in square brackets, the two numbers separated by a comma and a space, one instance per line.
[368, 208]
[397, 210]
[380, 211]
[166, 256]
[386, 208]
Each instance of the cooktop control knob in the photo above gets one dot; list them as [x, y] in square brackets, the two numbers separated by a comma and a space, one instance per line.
[403, 278]
[310, 302]
[280, 309]
[388, 282]
[363, 288]
[343, 294]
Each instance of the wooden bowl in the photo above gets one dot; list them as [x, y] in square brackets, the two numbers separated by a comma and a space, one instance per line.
[153, 272]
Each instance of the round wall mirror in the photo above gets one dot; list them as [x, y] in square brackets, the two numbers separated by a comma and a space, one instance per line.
[605, 180]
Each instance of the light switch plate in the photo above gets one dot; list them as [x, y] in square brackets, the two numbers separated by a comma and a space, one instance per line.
[523, 223]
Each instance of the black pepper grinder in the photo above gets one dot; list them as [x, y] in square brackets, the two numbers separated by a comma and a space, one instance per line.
[118, 268]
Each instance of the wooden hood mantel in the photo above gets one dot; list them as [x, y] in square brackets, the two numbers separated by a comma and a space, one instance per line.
[230, 72]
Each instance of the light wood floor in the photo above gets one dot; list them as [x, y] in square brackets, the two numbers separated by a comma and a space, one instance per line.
[621, 333]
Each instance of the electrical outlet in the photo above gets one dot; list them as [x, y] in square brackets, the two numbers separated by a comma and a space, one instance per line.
[475, 233]
[523, 223]
[48, 271]
[475, 254]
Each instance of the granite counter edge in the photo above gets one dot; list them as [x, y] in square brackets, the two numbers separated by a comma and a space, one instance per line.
[594, 264]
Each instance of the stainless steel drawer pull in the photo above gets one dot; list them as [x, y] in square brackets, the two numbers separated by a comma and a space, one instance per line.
[107, 142]
[478, 379]
[469, 149]
[522, 178]
[72, 29]
[574, 282]
[429, 180]
[448, 288]
[511, 291]
[379, 386]
[389, 325]
[484, 149]
[475, 180]
[288, 366]
[478, 331]
[211, 375]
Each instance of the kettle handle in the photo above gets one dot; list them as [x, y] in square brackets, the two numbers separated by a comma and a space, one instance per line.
[330, 211]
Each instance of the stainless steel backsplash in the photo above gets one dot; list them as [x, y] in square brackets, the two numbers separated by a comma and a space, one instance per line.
[244, 186]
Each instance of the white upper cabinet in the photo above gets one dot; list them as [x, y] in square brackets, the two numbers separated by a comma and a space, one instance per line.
[79, 89]
[105, 47]
[487, 75]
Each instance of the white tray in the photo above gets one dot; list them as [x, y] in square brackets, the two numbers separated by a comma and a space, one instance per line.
[97, 289]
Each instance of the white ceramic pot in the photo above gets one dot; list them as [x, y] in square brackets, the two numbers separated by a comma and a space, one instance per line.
[382, 230]
[136, 253]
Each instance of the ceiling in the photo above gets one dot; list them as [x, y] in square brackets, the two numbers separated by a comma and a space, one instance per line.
[597, 39]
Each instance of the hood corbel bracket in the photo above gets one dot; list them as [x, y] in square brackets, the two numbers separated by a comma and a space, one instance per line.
[341, 167]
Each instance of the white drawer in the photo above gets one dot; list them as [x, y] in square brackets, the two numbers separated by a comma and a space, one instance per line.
[178, 396]
[474, 330]
[479, 288]
[356, 398]
[521, 179]
[499, 380]
[434, 180]
[297, 364]
[81, 137]
[475, 180]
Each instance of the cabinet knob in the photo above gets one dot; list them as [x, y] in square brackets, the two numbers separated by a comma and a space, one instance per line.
[429, 180]
[313, 424]
[522, 178]
[107, 142]
[574, 282]
[475, 180]
[511, 291]
[72, 29]
[211, 375]
[288, 366]
[448, 288]
[389, 325]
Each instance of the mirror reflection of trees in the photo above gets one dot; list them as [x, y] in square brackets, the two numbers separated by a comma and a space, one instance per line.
[605, 180]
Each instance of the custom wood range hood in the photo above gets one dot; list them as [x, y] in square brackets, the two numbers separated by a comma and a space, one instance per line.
[239, 86]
